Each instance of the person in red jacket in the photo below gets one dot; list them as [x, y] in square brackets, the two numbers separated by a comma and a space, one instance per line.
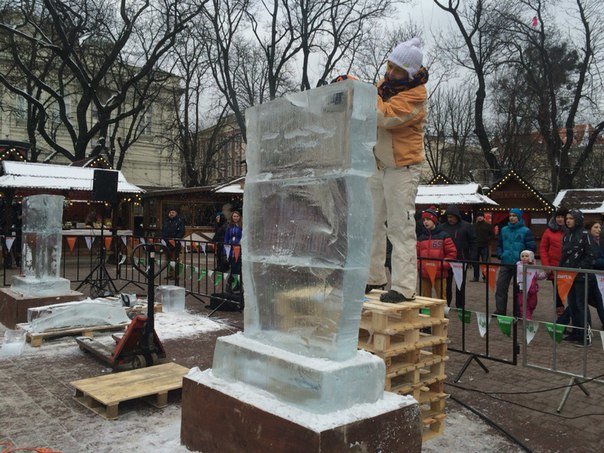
[437, 244]
[550, 248]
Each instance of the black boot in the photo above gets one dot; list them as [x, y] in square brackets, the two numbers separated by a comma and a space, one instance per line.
[394, 297]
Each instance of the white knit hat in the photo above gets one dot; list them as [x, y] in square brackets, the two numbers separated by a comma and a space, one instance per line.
[408, 55]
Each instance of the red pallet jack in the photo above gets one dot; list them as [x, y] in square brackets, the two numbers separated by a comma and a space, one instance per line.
[139, 346]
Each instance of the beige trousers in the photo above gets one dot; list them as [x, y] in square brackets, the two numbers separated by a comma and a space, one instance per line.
[393, 191]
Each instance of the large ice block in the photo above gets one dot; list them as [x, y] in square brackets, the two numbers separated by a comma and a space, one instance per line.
[171, 297]
[41, 248]
[306, 249]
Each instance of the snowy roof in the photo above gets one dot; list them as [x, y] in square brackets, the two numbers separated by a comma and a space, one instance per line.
[234, 186]
[439, 194]
[589, 201]
[28, 175]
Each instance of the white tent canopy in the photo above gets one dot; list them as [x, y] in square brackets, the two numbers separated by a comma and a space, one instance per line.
[458, 194]
[27, 175]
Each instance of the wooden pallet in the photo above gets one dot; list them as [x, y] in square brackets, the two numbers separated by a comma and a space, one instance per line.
[36, 338]
[432, 407]
[103, 394]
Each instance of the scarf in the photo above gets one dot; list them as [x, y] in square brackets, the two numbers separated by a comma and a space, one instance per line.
[390, 88]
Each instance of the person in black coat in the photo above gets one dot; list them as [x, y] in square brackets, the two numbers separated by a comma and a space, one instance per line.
[464, 239]
[220, 227]
[577, 253]
[484, 234]
[172, 230]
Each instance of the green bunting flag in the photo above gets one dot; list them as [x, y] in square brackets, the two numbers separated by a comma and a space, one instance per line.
[424, 311]
[193, 271]
[235, 280]
[202, 274]
[464, 316]
[505, 324]
[181, 268]
[559, 335]
[217, 278]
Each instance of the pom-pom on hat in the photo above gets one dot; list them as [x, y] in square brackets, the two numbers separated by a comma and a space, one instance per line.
[431, 214]
[408, 55]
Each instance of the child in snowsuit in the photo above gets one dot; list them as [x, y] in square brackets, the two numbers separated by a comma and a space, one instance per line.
[528, 257]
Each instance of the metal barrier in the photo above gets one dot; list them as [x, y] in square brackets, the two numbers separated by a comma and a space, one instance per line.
[195, 268]
[576, 284]
[465, 314]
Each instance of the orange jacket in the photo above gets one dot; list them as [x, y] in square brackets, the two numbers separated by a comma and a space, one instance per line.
[400, 134]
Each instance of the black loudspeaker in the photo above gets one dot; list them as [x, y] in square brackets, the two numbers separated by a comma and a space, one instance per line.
[104, 186]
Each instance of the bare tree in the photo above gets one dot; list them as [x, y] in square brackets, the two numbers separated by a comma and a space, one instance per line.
[557, 73]
[85, 42]
[479, 25]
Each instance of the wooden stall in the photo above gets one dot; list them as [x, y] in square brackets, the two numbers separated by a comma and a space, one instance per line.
[588, 201]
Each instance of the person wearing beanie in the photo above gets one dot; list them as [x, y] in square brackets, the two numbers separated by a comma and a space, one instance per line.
[577, 253]
[433, 247]
[464, 238]
[513, 239]
[550, 248]
[484, 235]
[399, 152]
[527, 257]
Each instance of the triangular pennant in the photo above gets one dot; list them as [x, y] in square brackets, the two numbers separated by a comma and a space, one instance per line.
[482, 321]
[225, 276]
[142, 262]
[464, 316]
[457, 273]
[193, 270]
[9, 242]
[531, 330]
[122, 259]
[564, 282]
[227, 250]
[173, 264]
[559, 335]
[203, 247]
[125, 240]
[89, 241]
[210, 273]
[71, 240]
[602, 338]
[505, 324]
[236, 252]
[172, 242]
[163, 242]
[235, 279]
[430, 267]
[108, 242]
[217, 278]
[142, 240]
[181, 268]
[491, 275]
[202, 274]
[182, 243]
[600, 280]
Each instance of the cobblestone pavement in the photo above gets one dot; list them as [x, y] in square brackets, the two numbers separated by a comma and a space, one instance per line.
[36, 407]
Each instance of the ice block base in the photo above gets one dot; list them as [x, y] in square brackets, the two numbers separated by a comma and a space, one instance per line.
[34, 287]
[232, 417]
[316, 385]
[14, 306]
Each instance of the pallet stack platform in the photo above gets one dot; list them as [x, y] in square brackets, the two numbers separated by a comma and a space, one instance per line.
[411, 338]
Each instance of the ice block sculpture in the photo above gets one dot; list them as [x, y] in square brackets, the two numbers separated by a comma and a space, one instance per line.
[41, 249]
[306, 249]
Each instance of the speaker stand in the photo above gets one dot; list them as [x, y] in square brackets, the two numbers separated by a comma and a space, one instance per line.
[101, 283]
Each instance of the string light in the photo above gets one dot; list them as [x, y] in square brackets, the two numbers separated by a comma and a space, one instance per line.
[547, 206]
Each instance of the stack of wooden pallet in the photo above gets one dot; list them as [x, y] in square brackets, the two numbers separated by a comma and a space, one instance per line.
[412, 340]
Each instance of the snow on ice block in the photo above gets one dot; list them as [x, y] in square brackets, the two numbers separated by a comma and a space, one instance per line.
[317, 385]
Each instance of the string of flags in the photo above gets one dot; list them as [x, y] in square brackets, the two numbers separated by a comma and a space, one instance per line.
[505, 324]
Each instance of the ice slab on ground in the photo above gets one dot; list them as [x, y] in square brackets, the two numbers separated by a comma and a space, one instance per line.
[314, 384]
[307, 211]
[13, 344]
[171, 297]
[86, 313]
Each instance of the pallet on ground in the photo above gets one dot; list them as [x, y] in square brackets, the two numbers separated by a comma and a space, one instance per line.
[103, 394]
[36, 338]
[403, 370]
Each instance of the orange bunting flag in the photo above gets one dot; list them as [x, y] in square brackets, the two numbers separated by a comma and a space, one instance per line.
[430, 267]
[491, 277]
[564, 281]
[71, 240]
[108, 242]
[236, 252]
[172, 243]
